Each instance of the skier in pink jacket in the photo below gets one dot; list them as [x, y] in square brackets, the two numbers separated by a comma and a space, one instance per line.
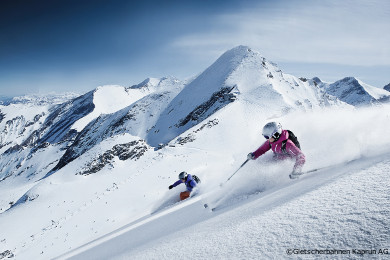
[284, 144]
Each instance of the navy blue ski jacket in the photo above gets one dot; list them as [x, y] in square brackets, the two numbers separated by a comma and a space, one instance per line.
[190, 183]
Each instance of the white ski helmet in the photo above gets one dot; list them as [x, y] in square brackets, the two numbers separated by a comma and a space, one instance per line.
[183, 175]
[272, 129]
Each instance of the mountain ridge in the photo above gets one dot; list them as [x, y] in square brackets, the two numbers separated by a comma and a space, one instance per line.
[75, 171]
[160, 110]
[355, 92]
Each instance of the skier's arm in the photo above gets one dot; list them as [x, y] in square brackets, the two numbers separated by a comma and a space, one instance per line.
[262, 150]
[300, 158]
[177, 183]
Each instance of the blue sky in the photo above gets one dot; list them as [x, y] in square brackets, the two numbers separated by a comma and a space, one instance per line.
[58, 45]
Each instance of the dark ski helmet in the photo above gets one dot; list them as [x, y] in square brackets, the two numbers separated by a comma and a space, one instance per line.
[183, 175]
[272, 129]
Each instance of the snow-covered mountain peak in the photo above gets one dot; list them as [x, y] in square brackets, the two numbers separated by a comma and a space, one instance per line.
[112, 98]
[355, 92]
[317, 80]
[239, 72]
[154, 84]
[241, 56]
[235, 56]
[351, 81]
[206, 94]
[147, 83]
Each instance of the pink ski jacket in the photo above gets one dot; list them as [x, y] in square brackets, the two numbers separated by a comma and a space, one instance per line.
[289, 151]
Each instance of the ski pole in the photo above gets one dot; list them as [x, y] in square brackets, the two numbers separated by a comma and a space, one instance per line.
[238, 169]
[206, 205]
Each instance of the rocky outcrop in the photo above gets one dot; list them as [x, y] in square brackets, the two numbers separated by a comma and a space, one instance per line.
[132, 150]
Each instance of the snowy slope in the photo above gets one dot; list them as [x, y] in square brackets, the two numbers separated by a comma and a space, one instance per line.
[259, 200]
[106, 100]
[21, 116]
[135, 119]
[322, 211]
[262, 213]
[110, 99]
[119, 195]
[18, 121]
[34, 125]
[105, 174]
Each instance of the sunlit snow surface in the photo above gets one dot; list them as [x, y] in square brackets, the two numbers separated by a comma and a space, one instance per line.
[260, 212]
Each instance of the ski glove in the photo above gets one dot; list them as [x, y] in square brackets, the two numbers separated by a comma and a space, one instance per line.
[170, 186]
[251, 156]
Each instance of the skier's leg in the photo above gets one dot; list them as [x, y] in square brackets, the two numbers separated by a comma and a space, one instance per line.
[184, 195]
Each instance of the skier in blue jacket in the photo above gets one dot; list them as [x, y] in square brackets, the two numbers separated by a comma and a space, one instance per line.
[189, 182]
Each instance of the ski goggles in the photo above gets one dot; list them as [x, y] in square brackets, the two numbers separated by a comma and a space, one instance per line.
[275, 136]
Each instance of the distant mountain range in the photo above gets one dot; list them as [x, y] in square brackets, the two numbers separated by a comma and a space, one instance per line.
[156, 112]
[48, 99]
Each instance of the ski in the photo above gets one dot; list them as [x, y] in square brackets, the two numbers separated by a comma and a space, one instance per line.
[321, 168]
[296, 176]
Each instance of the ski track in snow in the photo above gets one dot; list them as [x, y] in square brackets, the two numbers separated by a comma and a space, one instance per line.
[319, 211]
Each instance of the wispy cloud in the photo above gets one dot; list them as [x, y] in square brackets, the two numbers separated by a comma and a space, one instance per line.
[339, 32]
